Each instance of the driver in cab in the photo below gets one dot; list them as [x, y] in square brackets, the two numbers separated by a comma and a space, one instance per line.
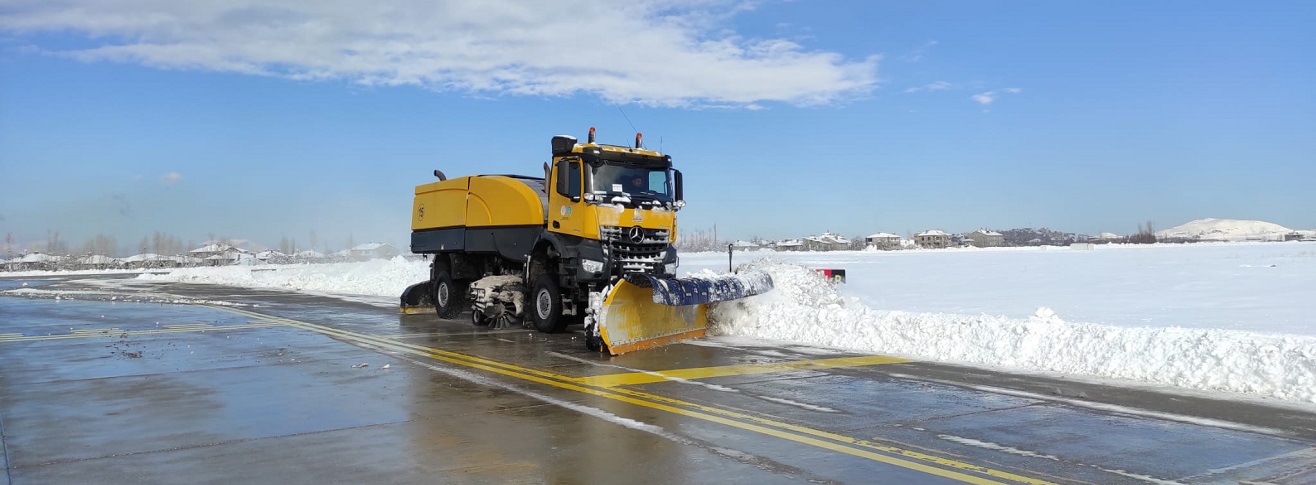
[634, 184]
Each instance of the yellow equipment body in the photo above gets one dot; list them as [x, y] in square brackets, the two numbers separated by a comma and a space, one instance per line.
[590, 243]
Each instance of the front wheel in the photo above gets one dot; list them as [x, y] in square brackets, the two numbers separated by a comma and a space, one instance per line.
[449, 296]
[546, 299]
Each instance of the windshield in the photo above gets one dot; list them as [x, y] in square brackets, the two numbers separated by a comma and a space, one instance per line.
[638, 182]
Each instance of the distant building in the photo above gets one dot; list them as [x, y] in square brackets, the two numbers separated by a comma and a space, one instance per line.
[933, 239]
[97, 261]
[789, 245]
[987, 239]
[372, 250]
[218, 254]
[883, 240]
[745, 246]
[826, 242]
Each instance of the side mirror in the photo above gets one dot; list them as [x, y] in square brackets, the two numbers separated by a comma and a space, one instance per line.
[680, 193]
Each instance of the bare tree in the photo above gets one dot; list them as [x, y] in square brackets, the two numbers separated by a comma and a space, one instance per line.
[1146, 235]
[101, 244]
[54, 245]
[285, 246]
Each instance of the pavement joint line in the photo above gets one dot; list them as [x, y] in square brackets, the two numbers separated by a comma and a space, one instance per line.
[891, 455]
[118, 332]
[649, 377]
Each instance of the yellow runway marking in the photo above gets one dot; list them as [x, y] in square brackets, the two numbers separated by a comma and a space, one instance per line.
[115, 332]
[892, 455]
[633, 378]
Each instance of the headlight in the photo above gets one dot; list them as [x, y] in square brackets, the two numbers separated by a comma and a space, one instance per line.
[670, 268]
[591, 266]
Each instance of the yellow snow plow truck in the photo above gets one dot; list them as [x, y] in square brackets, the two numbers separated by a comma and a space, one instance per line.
[589, 243]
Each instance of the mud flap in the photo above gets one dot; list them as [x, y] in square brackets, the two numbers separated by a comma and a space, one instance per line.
[417, 299]
[630, 320]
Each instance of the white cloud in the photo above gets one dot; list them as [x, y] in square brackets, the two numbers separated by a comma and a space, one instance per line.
[650, 52]
[919, 53]
[935, 86]
[989, 97]
[171, 178]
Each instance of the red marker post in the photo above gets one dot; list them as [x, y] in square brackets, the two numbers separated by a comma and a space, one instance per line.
[833, 275]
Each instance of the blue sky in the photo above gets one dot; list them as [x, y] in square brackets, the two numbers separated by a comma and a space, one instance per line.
[263, 120]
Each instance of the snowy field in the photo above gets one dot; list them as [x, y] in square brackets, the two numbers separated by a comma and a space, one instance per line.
[1232, 320]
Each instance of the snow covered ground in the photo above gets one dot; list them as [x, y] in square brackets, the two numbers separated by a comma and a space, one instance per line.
[1231, 318]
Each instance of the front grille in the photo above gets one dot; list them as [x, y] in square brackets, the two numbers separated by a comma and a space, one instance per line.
[644, 253]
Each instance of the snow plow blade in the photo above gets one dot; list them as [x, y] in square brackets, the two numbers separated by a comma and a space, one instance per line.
[703, 290]
[644, 312]
[630, 320]
[416, 299]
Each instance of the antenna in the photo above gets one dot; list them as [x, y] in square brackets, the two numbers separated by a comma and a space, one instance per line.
[628, 120]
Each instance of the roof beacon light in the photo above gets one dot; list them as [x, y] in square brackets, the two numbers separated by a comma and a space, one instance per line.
[591, 134]
[638, 136]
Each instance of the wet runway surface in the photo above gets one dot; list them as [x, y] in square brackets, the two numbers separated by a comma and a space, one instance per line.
[115, 383]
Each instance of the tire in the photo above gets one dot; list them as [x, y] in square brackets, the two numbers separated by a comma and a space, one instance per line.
[546, 305]
[449, 296]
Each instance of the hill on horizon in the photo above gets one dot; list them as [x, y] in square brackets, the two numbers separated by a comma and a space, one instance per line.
[1225, 230]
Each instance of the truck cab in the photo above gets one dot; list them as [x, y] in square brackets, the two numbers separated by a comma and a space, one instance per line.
[616, 205]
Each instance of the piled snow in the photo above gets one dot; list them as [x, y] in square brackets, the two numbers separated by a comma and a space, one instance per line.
[376, 277]
[805, 309]
[1227, 230]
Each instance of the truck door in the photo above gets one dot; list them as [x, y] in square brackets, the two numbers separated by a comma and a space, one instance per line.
[566, 210]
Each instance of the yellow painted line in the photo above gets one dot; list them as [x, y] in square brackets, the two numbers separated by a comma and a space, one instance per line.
[117, 333]
[633, 378]
[904, 458]
[83, 331]
[191, 325]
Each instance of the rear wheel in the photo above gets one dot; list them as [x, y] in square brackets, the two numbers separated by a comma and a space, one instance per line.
[449, 296]
[546, 305]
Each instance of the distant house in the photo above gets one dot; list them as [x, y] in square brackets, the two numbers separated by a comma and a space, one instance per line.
[273, 257]
[987, 239]
[148, 260]
[218, 254]
[308, 255]
[933, 239]
[826, 242]
[183, 260]
[789, 245]
[882, 240]
[373, 250]
[97, 261]
[745, 246]
[36, 261]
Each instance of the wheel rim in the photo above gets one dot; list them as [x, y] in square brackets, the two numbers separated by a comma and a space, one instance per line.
[441, 295]
[543, 304]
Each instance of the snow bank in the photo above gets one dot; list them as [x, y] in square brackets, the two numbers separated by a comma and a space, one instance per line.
[377, 277]
[804, 308]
